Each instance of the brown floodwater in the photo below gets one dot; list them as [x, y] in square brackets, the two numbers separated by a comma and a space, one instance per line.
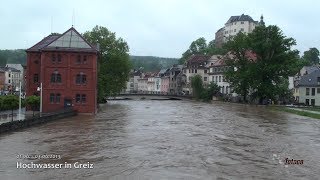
[145, 139]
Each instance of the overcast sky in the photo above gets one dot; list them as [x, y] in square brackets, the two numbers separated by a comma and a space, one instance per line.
[153, 27]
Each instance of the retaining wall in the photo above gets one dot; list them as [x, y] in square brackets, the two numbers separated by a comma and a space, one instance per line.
[15, 125]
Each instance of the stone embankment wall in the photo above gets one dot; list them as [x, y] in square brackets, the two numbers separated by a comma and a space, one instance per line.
[15, 125]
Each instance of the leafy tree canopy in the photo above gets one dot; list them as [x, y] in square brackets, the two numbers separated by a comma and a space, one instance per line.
[197, 85]
[260, 61]
[17, 56]
[311, 56]
[33, 102]
[114, 65]
[151, 63]
[200, 46]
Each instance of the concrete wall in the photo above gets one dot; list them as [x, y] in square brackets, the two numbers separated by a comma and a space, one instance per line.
[15, 125]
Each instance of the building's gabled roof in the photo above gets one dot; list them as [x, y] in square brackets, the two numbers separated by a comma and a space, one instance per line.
[251, 56]
[16, 66]
[176, 67]
[9, 69]
[71, 40]
[240, 18]
[44, 42]
[219, 62]
[309, 69]
[162, 71]
[310, 79]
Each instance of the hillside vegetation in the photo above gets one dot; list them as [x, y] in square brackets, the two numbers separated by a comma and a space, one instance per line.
[148, 63]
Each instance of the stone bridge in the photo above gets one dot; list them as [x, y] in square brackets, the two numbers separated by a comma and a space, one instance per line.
[127, 96]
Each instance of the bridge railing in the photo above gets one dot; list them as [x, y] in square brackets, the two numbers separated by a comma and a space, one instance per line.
[148, 93]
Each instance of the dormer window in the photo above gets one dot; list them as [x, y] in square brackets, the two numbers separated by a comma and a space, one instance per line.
[318, 79]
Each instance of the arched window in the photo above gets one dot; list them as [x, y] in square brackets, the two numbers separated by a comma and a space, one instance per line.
[53, 78]
[56, 77]
[78, 78]
[81, 78]
[84, 79]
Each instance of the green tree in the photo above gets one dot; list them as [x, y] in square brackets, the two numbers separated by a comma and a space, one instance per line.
[11, 102]
[239, 71]
[113, 63]
[201, 47]
[273, 60]
[213, 50]
[33, 102]
[198, 46]
[17, 56]
[212, 90]
[197, 86]
[311, 56]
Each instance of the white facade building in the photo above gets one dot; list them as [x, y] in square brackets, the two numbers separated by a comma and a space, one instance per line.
[142, 85]
[217, 76]
[150, 85]
[157, 84]
[12, 79]
[236, 24]
[197, 65]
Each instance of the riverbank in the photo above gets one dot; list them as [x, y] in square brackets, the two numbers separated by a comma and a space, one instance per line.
[29, 122]
[297, 111]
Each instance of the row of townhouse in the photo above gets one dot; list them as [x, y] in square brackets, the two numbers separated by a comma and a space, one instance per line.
[210, 68]
[177, 79]
[166, 81]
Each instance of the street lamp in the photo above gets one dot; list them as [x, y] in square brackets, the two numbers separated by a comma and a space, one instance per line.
[19, 100]
[40, 89]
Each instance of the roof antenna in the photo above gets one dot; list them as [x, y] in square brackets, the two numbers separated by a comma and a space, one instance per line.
[73, 18]
[51, 24]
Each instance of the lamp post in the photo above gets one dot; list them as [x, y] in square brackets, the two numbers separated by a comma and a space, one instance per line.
[19, 100]
[40, 89]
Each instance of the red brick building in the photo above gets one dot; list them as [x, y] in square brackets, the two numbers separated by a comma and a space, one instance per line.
[66, 65]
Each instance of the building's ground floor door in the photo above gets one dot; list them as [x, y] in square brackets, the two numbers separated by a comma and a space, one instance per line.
[67, 103]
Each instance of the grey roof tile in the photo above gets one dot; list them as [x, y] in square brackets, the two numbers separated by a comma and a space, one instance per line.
[310, 79]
